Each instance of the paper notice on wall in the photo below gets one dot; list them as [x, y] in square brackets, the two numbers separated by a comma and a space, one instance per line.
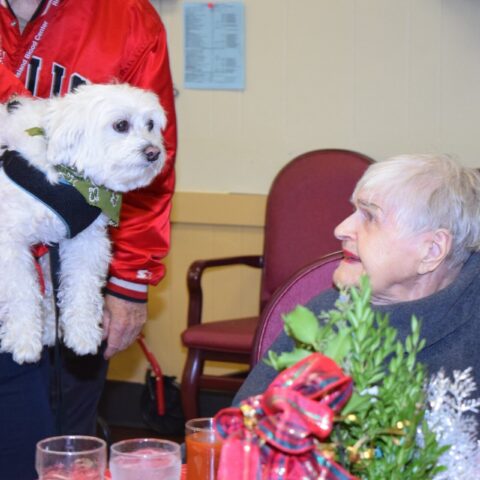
[214, 46]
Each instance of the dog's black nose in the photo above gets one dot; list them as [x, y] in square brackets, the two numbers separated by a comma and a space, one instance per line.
[152, 153]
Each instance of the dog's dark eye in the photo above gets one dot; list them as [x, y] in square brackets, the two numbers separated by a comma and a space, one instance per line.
[12, 105]
[122, 126]
[150, 125]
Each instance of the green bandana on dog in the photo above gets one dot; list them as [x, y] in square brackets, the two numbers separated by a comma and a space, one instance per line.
[107, 200]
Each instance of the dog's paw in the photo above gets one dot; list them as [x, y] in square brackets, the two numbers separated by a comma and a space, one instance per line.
[83, 341]
[22, 342]
[20, 333]
[23, 350]
[23, 355]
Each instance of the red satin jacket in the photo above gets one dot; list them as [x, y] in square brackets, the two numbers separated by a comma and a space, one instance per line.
[70, 41]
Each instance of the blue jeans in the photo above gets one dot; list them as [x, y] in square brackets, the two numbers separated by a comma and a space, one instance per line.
[25, 415]
[29, 405]
[82, 380]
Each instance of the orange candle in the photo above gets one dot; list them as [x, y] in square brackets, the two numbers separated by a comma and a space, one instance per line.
[203, 453]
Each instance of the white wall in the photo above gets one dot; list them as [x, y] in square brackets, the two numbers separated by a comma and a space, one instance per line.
[378, 76]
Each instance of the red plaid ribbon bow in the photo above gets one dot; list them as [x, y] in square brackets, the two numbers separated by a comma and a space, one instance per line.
[276, 435]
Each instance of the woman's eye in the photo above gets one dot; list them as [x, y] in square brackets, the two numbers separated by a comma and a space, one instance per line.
[367, 215]
[150, 125]
[122, 126]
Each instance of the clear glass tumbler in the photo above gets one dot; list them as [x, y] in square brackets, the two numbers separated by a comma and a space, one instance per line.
[73, 457]
[145, 459]
[203, 449]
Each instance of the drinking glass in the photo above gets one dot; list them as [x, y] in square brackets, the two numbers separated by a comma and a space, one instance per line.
[145, 459]
[203, 449]
[72, 457]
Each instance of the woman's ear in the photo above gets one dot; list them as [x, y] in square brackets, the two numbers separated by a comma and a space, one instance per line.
[437, 246]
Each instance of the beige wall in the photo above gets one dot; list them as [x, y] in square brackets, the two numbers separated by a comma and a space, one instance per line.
[378, 76]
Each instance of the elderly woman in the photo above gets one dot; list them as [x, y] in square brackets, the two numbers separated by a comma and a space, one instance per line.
[415, 231]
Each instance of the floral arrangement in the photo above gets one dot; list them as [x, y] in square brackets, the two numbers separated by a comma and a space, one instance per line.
[381, 417]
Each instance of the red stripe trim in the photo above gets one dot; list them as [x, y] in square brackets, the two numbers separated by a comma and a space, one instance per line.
[127, 292]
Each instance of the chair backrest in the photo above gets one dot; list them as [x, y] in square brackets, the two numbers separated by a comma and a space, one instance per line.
[298, 290]
[308, 198]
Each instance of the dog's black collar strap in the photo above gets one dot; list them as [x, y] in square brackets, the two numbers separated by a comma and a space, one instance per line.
[64, 200]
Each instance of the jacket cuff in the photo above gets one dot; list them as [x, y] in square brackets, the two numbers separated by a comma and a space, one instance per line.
[134, 292]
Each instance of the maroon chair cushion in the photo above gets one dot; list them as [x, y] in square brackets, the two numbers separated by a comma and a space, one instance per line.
[299, 290]
[227, 335]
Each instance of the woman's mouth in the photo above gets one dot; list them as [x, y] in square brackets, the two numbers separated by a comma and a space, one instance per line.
[350, 257]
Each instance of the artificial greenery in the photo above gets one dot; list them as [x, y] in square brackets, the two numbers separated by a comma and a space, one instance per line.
[375, 437]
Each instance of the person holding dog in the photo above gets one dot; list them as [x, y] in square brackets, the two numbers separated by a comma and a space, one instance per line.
[47, 48]
[415, 232]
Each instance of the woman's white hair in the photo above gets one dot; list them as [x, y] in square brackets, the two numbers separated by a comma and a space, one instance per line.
[426, 192]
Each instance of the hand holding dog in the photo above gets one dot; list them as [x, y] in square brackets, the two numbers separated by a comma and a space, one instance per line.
[122, 323]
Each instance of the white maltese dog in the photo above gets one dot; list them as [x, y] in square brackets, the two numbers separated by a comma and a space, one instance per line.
[105, 139]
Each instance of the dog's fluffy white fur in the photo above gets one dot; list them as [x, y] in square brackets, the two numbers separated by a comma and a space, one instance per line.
[112, 135]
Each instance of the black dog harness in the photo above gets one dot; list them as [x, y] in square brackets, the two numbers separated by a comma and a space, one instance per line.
[62, 199]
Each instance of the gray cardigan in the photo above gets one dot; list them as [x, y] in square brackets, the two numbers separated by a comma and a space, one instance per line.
[450, 325]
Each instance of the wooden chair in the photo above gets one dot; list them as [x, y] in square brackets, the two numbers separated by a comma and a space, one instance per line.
[307, 199]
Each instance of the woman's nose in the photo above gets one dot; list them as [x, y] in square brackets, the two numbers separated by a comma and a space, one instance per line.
[344, 229]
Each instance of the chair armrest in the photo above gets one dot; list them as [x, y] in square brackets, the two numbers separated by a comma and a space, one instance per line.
[194, 280]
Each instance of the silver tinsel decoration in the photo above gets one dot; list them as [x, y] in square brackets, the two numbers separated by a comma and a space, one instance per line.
[450, 415]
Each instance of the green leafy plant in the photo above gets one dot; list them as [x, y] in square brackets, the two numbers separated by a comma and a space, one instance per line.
[375, 437]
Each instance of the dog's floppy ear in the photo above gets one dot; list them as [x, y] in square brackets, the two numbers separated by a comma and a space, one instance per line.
[64, 132]
[162, 118]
